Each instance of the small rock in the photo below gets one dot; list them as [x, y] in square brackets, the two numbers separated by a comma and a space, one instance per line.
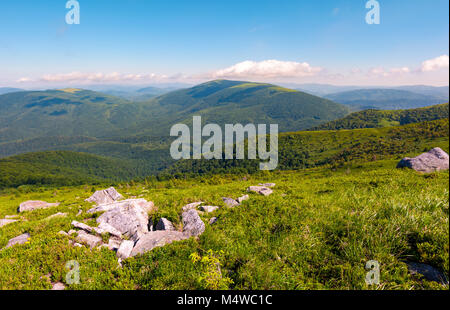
[260, 190]
[78, 245]
[6, 222]
[434, 160]
[71, 232]
[155, 239]
[82, 226]
[35, 204]
[58, 286]
[267, 184]
[243, 198]
[208, 209]
[164, 224]
[79, 212]
[90, 240]
[192, 205]
[18, 240]
[62, 233]
[213, 220]
[105, 196]
[9, 217]
[192, 223]
[125, 249]
[230, 202]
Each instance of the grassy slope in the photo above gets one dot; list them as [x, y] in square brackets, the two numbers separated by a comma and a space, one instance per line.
[377, 118]
[316, 231]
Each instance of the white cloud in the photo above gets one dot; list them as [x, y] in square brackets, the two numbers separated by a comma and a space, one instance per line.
[267, 69]
[24, 80]
[435, 64]
[99, 77]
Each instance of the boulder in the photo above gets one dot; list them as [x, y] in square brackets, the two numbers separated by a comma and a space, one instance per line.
[90, 240]
[125, 249]
[131, 220]
[164, 224]
[230, 202]
[31, 205]
[192, 205]
[82, 226]
[266, 191]
[430, 273]
[208, 209]
[142, 203]
[105, 196]
[110, 229]
[192, 223]
[434, 160]
[243, 198]
[154, 239]
[6, 222]
[18, 240]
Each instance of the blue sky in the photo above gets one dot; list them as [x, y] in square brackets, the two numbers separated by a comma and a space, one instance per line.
[148, 42]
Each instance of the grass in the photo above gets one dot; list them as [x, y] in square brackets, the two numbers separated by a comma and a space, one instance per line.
[316, 231]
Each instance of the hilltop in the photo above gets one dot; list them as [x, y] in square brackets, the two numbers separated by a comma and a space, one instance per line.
[384, 99]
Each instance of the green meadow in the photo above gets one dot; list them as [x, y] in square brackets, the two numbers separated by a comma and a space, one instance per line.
[316, 231]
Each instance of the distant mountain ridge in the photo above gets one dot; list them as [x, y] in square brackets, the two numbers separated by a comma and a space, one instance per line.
[384, 99]
[78, 112]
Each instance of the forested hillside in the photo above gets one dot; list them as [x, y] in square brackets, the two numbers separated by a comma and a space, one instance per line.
[377, 118]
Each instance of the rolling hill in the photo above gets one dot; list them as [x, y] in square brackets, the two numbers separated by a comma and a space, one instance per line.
[75, 112]
[377, 118]
[384, 99]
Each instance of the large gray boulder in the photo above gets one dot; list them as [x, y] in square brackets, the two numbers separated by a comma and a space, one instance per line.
[434, 160]
[108, 195]
[18, 240]
[35, 204]
[192, 223]
[130, 219]
[140, 202]
[154, 239]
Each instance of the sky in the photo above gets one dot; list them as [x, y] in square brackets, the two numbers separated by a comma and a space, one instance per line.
[150, 42]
